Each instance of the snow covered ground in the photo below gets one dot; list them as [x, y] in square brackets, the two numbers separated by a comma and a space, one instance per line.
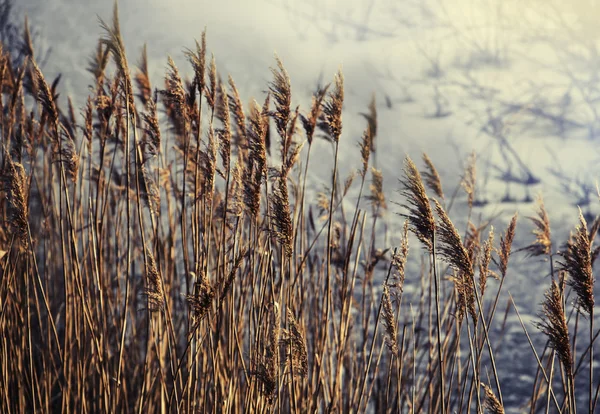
[450, 76]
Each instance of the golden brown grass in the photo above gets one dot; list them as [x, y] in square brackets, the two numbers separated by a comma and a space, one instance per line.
[182, 269]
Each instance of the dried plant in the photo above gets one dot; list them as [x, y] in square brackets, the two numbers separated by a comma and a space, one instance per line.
[200, 301]
[266, 368]
[44, 94]
[432, 178]
[331, 116]
[237, 109]
[371, 118]
[152, 139]
[310, 122]
[115, 45]
[224, 134]
[542, 246]
[294, 340]
[197, 59]
[491, 401]
[377, 197]
[391, 332]
[280, 206]
[420, 216]
[469, 179]
[142, 79]
[154, 291]
[554, 325]
[365, 152]
[577, 261]
[257, 159]
[14, 186]
[451, 248]
[506, 241]
[282, 95]
[456, 255]
[484, 261]
[399, 259]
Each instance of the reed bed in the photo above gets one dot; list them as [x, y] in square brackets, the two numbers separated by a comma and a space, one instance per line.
[159, 253]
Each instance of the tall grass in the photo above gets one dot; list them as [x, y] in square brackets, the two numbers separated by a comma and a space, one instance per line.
[159, 256]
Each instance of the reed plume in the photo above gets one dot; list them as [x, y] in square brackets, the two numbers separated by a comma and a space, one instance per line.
[280, 89]
[310, 122]
[200, 301]
[391, 331]
[224, 134]
[506, 241]
[152, 140]
[484, 261]
[237, 109]
[377, 197]
[399, 259]
[14, 186]
[420, 217]
[554, 325]
[257, 159]
[280, 207]
[542, 246]
[577, 261]
[331, 115]
[197, 59]
[142, 78]
[266, 369]
[154, 291]
[294, 340]
[44, 95]
[492, 403]
[115, 45]
[469, 179]
[365, 152]
[432, 178]
[452, 251]
[371, 118]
